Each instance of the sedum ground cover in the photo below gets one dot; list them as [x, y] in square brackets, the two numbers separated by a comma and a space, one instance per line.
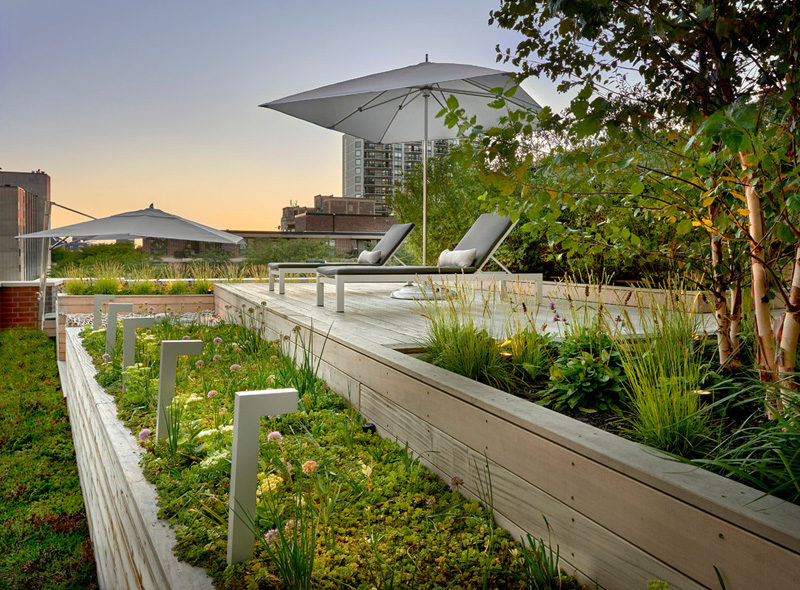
[44, 538]
[338, 507]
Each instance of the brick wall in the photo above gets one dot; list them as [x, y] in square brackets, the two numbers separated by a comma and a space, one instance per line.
[342, 223]
[19, 306]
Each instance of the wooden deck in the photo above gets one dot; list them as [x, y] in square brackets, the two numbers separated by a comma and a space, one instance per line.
[376, 316]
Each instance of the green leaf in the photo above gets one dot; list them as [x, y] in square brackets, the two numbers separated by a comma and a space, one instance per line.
[684, 227]
[586, 127]
[732, 138]
[637, 188]
[452, 102]
[579, 108]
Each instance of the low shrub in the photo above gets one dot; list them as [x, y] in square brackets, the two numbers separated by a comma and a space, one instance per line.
[587, 374]
[202, 287]
[106, 286]
[177, 288]
[142, 287]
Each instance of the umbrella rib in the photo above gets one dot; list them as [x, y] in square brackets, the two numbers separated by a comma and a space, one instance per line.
[370, 104]
[402, 105]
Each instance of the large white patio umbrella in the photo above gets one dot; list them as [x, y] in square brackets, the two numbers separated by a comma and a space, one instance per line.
[392, 107]
[144, 223]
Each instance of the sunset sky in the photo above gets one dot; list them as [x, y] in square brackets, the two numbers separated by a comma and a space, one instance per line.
[128, 103]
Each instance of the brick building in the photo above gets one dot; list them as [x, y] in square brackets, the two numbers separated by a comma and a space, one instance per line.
[337, 214]
[23, 196]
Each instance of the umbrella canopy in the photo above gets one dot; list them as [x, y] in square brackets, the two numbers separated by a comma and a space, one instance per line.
[145, 223]
[389, 108]
[392, 107]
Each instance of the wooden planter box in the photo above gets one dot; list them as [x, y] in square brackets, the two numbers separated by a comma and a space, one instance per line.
[621, 513]
[132, 547]
[84, 304]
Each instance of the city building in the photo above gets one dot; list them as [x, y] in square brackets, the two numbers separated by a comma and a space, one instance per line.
[371, 170]
[23, 196]
[337, 214]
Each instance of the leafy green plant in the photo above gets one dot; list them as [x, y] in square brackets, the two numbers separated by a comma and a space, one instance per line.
[587, 374]
[77, 287]
[202, 286]
[299, 369]
[174, 419]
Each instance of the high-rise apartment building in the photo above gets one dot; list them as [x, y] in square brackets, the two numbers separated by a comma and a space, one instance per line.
[22, 205]
[371, 170]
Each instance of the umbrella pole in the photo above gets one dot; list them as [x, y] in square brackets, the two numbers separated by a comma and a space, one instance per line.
[425, 95]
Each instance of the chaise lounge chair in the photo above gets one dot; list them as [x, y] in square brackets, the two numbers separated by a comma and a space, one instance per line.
[378, 256]
[485, 236]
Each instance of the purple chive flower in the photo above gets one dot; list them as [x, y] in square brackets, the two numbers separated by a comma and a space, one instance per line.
[186, 337]
[144, 434]
[235, 367]
[217, 340]
[271, 536]
[552, 304]
[275, 436]
[151, 309]
[556, 317]
[212, 393]
[199, 363]
[455, 482]
[106, 357]
[216, 357]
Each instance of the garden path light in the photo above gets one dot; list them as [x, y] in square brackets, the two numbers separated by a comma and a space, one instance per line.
[111, 323]
[249, 407]
[170, 351]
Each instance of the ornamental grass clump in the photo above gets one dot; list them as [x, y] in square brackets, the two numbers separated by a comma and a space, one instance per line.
[454, 342]
[665, 376]
[765, 456]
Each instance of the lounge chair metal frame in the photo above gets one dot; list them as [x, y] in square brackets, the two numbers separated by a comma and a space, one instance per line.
[281, 272]
[340, 280]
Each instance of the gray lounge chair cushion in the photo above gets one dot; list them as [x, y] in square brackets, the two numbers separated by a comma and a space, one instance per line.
[369, 257]
[484, 235]
[391, 240]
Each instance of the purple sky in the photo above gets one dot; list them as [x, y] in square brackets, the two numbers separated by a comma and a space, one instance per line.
[128, 103]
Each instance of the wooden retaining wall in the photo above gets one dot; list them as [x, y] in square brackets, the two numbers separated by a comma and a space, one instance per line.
[132, 547]
[75, 304]
[621, 513]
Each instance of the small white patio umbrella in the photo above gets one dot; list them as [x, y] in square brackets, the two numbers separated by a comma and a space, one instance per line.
[392, 106]
[144, 223]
